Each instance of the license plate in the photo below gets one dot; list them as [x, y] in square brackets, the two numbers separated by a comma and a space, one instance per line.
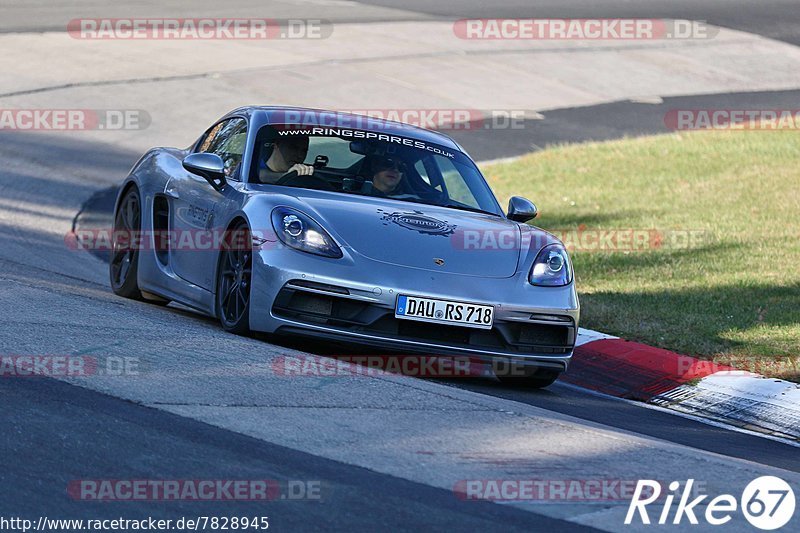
[444, 312]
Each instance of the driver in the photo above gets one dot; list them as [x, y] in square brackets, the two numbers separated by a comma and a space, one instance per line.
[288, 154]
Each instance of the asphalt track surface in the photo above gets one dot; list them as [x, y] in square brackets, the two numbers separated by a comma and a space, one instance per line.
[57, 432]
[94, 435]
[777, 19]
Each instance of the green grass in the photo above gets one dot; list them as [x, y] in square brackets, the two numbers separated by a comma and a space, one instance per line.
[732, 295]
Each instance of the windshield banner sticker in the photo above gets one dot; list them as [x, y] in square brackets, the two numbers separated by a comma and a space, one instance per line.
[361, 134]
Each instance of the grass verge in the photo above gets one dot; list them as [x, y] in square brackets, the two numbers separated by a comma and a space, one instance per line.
[713, 266]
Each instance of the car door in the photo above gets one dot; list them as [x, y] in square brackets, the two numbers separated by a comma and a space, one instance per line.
[194, 203]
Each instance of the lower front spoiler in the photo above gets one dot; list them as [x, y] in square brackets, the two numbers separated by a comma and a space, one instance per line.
[398, 345]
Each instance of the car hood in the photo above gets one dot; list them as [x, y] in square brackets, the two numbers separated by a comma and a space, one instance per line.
[420, 236]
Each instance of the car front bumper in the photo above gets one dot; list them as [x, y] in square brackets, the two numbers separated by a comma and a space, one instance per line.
[353, 301]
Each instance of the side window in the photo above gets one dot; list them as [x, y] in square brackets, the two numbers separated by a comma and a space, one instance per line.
[210, 137]
[227, 139]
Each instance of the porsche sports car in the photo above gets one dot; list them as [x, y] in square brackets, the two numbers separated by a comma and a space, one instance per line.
[292, 221]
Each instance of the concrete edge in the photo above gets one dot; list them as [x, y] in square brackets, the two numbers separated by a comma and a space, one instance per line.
[687, 385]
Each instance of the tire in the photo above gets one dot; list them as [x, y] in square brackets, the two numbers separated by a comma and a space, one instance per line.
[123, 266]
[537, 379]
[234, 280]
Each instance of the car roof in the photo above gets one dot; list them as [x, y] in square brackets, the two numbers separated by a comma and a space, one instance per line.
[264, 115]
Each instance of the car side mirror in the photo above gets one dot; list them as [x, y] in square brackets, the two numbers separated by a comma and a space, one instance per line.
[521, 209]
[208, 166]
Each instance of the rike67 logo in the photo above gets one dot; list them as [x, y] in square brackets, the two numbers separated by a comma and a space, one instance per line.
[767, 502]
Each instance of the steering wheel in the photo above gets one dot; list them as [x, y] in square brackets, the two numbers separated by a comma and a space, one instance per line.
[293, 179]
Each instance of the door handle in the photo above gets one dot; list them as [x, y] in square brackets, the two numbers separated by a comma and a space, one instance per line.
[172, 192]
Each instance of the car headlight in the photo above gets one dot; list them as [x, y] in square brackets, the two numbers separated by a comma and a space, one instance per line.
[552, 267]
[301, 232]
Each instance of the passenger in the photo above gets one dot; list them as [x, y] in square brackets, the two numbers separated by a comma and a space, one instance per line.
[387, 179]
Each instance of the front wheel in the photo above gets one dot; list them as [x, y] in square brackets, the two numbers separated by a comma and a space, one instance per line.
[124, 263]
[235, 274]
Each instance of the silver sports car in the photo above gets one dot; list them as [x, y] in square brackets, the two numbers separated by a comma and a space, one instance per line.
[346, 228]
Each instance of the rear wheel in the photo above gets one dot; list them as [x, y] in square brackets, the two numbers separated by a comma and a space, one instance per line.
[535, 378]
[124, 263]
[234, 277]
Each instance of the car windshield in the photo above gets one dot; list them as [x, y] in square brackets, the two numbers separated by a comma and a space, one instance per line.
[372, 164]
